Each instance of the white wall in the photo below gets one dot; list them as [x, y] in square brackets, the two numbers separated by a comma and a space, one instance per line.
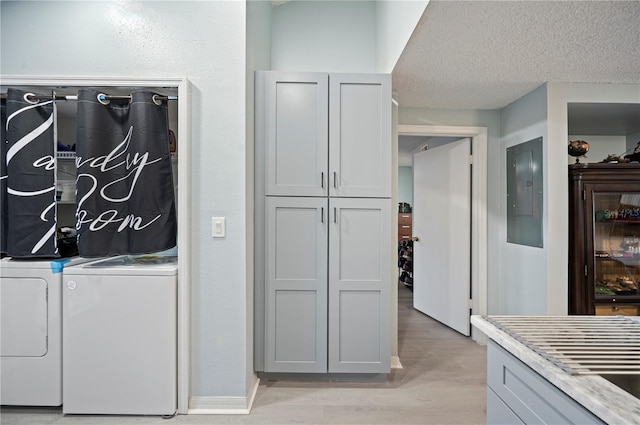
[324, 36]
[205, 42]
[522, 279]
[558, 96]
[396, 20]
[599, 147]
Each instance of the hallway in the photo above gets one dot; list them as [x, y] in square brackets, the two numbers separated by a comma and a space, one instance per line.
[442, 382]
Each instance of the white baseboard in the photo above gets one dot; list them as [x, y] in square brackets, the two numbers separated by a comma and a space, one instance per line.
[224, 405]
[252, 392]
[395, 362]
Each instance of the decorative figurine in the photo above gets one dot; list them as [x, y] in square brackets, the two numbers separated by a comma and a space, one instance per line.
[578, 148]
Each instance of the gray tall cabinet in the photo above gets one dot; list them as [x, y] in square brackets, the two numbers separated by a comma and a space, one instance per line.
[323, 222]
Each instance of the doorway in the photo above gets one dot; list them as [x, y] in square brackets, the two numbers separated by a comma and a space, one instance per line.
[478, 201]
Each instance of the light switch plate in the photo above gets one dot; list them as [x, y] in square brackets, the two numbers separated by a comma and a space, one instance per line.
[218, 226]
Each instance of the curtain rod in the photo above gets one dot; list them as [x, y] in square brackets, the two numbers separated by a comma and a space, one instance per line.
[102, 98]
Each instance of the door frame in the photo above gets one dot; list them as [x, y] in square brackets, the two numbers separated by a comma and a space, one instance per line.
[479, 266]
[182, 84]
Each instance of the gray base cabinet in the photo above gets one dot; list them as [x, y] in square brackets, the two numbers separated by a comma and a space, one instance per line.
[517, 394]
[498, 413]
[322, 223]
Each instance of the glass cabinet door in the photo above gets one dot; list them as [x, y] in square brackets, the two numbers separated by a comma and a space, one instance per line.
[616, 242]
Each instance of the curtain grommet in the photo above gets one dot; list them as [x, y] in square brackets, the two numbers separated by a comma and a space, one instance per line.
[33, 101]
[102, 98]
[157, 100]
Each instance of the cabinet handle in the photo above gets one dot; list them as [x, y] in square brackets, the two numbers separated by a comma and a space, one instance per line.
[335, 215]
[322, 214]
[322, 179]
[406, 227]
[335, 181]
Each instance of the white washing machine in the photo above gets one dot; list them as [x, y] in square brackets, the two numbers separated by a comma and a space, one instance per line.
[31, 325]
[120, 336]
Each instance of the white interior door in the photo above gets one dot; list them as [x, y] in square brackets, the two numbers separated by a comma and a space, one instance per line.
[442, 224]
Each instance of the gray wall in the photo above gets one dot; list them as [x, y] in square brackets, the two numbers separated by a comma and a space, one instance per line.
[205, 42]
[327, 36]
[522, 279]
[258, 58]
[405, 185]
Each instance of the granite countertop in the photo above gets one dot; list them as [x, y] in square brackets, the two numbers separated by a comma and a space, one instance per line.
[601, 397]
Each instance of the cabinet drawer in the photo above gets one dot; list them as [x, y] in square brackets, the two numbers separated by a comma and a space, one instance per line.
[528, 395]
[617, 310]
[404, 229]
[404, 218]
[404, 238]
[498, 413]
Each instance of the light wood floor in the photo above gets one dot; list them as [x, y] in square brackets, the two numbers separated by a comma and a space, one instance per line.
[443, 381]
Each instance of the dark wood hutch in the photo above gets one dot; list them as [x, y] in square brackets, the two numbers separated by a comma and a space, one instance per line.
[604, 230]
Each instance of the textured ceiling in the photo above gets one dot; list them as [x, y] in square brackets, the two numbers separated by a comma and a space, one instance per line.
[486, 54]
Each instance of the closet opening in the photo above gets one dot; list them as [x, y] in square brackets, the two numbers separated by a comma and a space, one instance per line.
[175, 93]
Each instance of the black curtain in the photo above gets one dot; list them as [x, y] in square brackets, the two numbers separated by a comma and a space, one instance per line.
[125, 198]
[28, 177]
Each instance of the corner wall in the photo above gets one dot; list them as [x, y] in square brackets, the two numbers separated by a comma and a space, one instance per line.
[396, 21]
[258, 58]
[521, 288]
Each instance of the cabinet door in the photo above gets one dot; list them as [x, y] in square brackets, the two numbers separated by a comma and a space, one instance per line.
[613, 269]
[604, 226]
[360, 135]
[296, 293]
[359, 285]
[296, 138]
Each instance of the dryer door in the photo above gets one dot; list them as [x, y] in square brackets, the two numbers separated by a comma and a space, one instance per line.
[23, 307]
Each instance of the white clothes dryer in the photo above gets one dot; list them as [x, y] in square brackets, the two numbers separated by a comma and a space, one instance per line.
[120, 336]
[31, 325]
